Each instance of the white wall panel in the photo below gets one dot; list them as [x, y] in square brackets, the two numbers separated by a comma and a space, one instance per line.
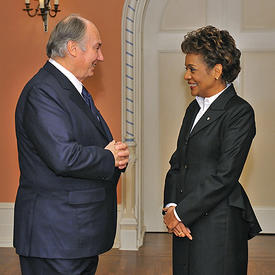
[183, 15]
[258, 88]
[258, 15]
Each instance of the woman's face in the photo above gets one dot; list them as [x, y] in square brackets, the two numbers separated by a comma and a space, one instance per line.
[203, 81]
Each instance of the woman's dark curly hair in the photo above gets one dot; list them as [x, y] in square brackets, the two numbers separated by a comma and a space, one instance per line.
[216, 47]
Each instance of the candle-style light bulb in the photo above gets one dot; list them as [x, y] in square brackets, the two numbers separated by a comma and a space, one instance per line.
[41, 4]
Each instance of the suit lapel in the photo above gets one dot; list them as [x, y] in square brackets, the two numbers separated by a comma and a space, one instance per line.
[105, 127]
[189, 118]
[192, 117]
[208, 117]
[216, 109]
[76, 97]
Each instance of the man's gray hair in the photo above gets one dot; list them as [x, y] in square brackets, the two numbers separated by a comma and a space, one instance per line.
[71, 28]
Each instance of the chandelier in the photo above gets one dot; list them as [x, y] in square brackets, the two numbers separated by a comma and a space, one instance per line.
[42, 9]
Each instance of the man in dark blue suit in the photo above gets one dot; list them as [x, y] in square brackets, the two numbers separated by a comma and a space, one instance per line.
[65, 209]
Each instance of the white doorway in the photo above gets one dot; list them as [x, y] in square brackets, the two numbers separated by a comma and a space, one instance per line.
[165, 96]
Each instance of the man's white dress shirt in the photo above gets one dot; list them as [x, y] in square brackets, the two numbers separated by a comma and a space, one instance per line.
[78, 85]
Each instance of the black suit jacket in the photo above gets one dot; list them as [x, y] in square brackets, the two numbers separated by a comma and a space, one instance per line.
[66, 202]
[208, 162]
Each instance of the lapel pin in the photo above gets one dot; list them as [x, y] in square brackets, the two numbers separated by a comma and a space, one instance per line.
[208, 118]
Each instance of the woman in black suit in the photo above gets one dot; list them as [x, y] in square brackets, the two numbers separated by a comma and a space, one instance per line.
[206, 207]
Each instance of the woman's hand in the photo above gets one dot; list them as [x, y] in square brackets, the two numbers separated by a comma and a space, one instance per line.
[175, 226]
[182, 231]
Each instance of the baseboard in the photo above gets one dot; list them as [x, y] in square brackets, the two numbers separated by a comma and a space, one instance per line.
[266, 218]
[6, 225]
[265, 215]
[117, 238]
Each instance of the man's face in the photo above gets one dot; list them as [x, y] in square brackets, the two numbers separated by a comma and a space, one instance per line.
[87, 59]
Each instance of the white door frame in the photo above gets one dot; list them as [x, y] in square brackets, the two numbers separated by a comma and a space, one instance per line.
[131, 221]
[131, 224]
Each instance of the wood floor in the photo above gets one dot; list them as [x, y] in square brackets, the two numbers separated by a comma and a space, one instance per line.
[154, 258]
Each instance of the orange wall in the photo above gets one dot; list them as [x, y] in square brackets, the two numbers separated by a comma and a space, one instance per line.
[22, 53]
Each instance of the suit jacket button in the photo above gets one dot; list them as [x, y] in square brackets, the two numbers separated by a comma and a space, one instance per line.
[180, 190]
